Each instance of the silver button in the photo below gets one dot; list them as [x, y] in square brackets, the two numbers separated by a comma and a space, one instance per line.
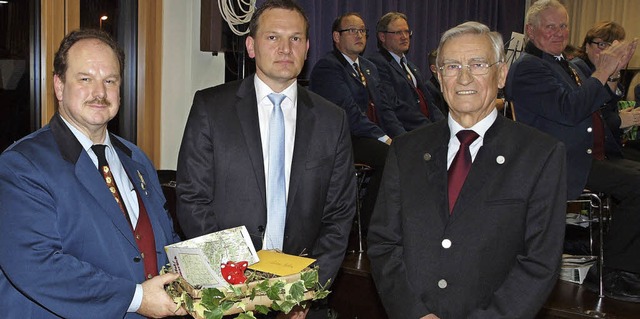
[149, 276]
[500, 159]
[426, 157]
[142, 255]
[589, 151]
[442, 283]
[446, 243]
[589, 129]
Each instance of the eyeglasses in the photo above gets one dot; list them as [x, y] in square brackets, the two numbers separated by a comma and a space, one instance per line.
[407, 33]
[601, 45]
[454, 69]
[354, 31]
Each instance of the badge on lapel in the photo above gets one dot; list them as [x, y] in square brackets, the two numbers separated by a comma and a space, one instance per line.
[143, 185]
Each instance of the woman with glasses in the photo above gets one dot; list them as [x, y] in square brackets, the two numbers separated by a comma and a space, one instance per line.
[597, 41]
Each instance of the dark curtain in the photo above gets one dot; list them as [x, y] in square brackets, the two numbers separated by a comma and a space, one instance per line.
[428, 19]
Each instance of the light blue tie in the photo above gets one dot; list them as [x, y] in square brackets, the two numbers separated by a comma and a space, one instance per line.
[276, 189]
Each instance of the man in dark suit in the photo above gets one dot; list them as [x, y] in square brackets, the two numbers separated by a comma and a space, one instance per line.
[553, 95]
[352, 82]
[225, 165]
[82, 218]
[488, 246]
[401, 80]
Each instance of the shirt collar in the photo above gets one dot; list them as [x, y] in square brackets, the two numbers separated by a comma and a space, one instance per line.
[397, 57]
[83, 139]
[262, 90]
[481, 127]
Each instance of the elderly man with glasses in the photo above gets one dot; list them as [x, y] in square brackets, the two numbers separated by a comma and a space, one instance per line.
[469, 221]
[555, 96]
[402, 81]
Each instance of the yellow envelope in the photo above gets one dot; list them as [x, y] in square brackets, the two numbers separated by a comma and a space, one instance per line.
[280, 264]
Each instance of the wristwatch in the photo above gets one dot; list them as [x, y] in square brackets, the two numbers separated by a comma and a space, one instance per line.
[614, 78]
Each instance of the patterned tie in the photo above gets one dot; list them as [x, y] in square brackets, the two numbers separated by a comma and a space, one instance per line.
[596, 117]
[460, 166]
[276, 188]
[103, 167]
[371, 109]
[403, 62]
[422, 100]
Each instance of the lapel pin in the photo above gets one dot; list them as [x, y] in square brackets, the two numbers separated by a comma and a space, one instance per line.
[143, 185]
[500, 159]
[426, 157]
[368, 71]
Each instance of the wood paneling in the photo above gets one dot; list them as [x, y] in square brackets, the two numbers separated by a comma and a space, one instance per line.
[149, 77]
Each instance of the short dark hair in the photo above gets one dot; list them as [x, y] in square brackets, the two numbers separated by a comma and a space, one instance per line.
[338, 21]
[60, 60]
[277, 4]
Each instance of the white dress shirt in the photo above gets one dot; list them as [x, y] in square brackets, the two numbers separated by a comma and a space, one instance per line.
[127, 191]
[480, 128]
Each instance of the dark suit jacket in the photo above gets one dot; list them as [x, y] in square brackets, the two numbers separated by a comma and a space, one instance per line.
[66, 250]
[401, 92]
[221, 179]
[335, 79]
[505, 232]
[546, 97]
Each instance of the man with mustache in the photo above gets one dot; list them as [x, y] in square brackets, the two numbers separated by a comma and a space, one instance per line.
[402, 81]
[82, 218]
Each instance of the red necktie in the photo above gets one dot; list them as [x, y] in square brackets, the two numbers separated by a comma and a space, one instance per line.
[424, 108]
[460, 166]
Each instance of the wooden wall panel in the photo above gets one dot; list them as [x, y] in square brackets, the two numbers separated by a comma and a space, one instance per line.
[149, 77]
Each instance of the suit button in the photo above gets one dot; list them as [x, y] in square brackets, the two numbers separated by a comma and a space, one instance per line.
[442, 283]
[137, 237]
[136, 259]
[149, 276]
[142, 255]
[446, 243]
[589, 129]
[589, 151]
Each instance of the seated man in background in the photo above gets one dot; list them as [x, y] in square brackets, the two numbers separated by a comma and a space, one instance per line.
[469, 221]
[553, 95]
[352, 82]
[400, 79]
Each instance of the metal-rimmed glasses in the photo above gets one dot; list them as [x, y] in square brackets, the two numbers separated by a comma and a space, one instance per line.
[475, 68]
[406, 33]
[354, 31]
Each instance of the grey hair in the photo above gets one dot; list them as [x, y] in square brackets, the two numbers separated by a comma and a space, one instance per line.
[533, 13]
[473, 27]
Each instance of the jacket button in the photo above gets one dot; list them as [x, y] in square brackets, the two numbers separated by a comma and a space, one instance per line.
[446, 243]
[149, 276]
[589, 151]
[589, 129]
[136, 259]
[142, 255]
[442, 283]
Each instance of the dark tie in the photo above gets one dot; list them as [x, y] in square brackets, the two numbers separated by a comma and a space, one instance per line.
[371, 110]
[424, 108]
[460, 166]
[403, 62]
[104, 169]
[596, 117]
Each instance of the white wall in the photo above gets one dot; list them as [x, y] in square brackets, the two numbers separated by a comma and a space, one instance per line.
[185, 69]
